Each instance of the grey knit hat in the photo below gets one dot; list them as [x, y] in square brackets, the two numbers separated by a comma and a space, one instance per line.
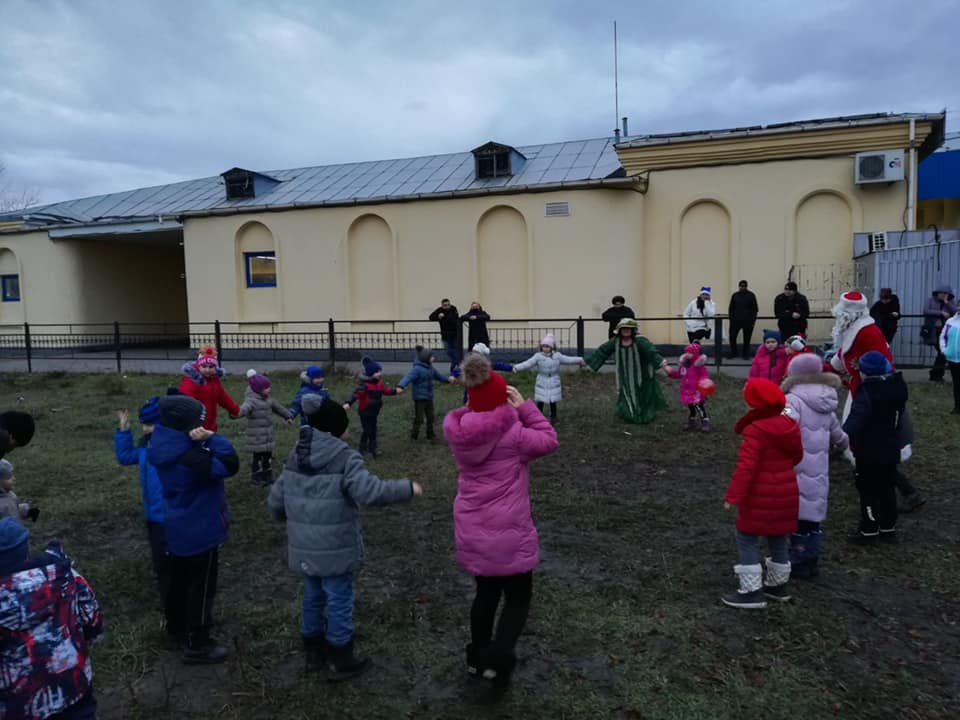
[179, 412]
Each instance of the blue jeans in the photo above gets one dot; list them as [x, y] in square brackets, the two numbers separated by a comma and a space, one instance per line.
[749, 547]
[454, 352]
[328, 608]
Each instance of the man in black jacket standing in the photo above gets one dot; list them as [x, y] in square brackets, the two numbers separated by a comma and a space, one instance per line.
[449, 319]
[616, 313]
[476, 318]
[792, 311]
[743, 316]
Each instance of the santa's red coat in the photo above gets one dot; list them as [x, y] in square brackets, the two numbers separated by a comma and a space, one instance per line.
[862, 337]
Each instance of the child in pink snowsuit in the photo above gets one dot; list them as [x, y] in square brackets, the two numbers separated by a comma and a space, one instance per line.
[691, 371]
[770, 362]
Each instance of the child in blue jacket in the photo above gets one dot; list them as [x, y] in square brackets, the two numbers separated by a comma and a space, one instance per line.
[129, 454]
[192, 463]
[311, 383]
[421, 376]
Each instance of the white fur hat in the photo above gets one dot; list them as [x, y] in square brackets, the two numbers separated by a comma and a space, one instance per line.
[482, 349]
[852, 302]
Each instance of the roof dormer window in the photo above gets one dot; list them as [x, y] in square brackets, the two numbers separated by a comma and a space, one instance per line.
[241, 184]
[494, 160]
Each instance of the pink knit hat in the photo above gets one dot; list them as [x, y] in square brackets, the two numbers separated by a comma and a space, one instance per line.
[208, 356]
[550, 340]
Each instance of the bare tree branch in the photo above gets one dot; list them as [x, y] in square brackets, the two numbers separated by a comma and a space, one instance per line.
[15, 199]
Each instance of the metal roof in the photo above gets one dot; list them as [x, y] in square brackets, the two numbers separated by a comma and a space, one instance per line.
[555, 164]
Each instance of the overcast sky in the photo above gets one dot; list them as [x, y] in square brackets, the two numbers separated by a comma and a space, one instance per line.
[103, 96]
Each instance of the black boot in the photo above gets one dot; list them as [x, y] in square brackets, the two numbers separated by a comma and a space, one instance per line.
[201, 649]
[342, 664]
[500, 668]
[315, 652]
[476, 660]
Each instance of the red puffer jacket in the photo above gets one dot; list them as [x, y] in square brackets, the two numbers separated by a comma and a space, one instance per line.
[764, 484]
[210, 392]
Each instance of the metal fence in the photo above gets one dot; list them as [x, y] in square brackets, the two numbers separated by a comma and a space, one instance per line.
[332, 341]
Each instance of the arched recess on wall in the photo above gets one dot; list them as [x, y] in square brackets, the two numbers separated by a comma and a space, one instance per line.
[12, 307]
[705, 250]
[823, 229]
[258, 297]
[371, 267]
[503, 262]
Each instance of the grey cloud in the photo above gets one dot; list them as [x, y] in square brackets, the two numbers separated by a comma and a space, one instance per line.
[104, 96]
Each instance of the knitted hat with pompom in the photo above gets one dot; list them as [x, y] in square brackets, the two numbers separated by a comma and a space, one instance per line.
[258, 383]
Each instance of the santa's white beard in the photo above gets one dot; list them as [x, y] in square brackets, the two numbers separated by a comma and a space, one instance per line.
[844, 321]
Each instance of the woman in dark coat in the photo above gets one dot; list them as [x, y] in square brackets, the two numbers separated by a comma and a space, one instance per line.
[477, 319]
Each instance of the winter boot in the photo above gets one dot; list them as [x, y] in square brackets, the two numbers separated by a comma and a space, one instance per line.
[201, 649]
[476, 660]
[315, 653]
[500, 668]
[889, 536]
[691, 424]
[775, 587]
[859, 537]
[342, 664]
[705, 425]
[750, 596]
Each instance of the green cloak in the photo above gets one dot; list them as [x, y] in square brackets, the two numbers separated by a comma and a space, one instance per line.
[639, 396]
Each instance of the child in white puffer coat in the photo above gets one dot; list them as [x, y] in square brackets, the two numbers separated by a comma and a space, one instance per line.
[547, 362]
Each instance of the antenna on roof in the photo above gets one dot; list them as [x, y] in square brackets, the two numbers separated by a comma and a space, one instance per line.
[616, 85]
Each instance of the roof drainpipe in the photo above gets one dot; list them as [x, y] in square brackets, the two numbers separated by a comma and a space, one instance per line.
[912, 181]
[625, 133]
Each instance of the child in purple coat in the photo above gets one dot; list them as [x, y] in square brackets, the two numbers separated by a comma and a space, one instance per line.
[492, 440]
[691, 371]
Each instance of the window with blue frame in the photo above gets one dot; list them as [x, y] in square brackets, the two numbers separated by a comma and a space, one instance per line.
[261, 269]
[11, 287]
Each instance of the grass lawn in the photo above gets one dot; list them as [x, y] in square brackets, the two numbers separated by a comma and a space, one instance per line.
[626, 620]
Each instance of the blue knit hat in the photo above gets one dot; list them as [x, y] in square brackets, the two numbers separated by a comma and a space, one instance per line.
[772, 335]
[314, 372]
[370, 366]
[874, 363]
[150, 412]
[14, 547]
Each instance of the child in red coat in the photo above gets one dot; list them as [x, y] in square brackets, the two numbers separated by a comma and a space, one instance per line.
[770, 362]
[764, 490]
[201, 381]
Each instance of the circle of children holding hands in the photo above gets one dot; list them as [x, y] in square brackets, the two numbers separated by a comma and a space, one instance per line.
[780, 489]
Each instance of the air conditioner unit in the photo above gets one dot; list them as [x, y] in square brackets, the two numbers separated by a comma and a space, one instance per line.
[878, 241]
[880, 166]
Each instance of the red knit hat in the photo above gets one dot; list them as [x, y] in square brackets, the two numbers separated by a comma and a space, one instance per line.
[763, 393]
[488, 396]
[208, 356]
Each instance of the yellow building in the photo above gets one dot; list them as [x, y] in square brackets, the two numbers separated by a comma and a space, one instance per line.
[548, 231]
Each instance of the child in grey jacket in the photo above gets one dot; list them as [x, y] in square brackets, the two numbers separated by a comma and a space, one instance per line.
[9, 505]
[319, 494]
[259, 407]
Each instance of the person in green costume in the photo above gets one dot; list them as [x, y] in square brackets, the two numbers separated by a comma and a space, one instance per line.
[638, 393]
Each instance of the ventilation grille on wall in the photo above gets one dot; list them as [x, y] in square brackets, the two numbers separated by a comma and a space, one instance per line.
[556, 209]
[878, 241]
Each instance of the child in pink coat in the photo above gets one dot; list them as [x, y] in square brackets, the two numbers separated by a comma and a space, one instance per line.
[691, 371]
[770, 362]
[492, 440]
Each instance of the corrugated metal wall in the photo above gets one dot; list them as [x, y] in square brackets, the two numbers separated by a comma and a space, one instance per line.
[912, 270]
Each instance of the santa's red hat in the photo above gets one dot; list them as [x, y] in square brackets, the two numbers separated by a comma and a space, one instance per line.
[763, 393]
[852, 302]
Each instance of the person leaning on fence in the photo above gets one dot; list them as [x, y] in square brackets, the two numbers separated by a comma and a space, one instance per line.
[476, 318]
[617, 312]
[886, 312]
[422, 376]
[698, 316]
[792, 311]
[743, 313]
[448, 318]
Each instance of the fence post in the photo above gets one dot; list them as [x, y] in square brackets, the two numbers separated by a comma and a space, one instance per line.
[718, 340]
[28, 346]
[116, 345]
[218, 341]
[580, 335]
[460, 340]
[332, 342]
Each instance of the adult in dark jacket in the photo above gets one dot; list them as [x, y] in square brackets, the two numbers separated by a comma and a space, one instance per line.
[477, 319]
[874, 430]
[192, 463]
[791, 310]
[617, 312]
[16, 430]
[448, 318]
[939, 309]
[743, 313]
[886, 313]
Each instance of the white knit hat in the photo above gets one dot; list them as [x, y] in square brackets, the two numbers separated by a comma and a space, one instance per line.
[482, 349]
[852, 302]
[550, 340]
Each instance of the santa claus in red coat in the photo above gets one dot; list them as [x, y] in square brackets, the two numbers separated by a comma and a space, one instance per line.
[855, 333]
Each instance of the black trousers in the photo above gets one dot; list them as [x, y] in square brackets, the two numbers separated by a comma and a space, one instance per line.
[696, 337]
[193, 587]
[955, 376]
[262, 461]
[423, 411]
[878, 497]
[553, 409]
[517, 591]
[157, 534]
[737, 327]
[696, 409]
[939, 366]
[368, 434]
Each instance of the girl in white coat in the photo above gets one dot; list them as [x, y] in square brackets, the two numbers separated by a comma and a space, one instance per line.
[548, 362]
[699, 316]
